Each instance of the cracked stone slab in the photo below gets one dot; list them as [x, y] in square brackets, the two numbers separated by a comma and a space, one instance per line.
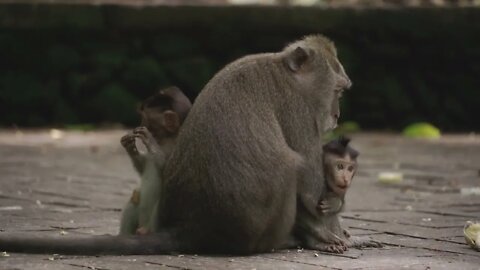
[76, 186]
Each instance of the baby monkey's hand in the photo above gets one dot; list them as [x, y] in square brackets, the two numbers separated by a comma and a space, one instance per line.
[330, 205]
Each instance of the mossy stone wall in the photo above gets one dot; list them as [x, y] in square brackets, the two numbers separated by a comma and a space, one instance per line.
[62, 64]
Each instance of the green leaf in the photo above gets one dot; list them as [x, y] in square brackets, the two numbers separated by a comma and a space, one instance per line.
[421, 130]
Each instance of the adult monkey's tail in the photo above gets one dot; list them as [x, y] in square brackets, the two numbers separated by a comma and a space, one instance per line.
[159, 243]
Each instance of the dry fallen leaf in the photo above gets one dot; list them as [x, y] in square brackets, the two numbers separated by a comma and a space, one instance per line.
[390, 177]
[471, 231]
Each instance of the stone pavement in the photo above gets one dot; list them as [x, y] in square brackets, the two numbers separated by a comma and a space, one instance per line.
[77, 183]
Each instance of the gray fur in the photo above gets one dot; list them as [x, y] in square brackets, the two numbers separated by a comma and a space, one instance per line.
[248, 156]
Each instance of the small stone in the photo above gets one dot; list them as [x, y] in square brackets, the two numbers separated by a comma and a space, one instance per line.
[56, 134]
[468, 191]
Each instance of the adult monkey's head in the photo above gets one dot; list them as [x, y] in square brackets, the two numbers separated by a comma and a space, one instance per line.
[315, 65]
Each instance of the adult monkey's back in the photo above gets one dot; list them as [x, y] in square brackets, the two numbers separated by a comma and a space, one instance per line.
[250, 145]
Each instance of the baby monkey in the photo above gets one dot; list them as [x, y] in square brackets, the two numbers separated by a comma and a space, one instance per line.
[340, 165]
[148, 147]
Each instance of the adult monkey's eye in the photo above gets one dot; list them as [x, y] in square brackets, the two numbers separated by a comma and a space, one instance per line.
[335, 65]
[340, 166]
[350, 168]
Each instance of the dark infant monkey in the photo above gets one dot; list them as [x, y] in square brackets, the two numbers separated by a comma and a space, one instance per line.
[161, 117]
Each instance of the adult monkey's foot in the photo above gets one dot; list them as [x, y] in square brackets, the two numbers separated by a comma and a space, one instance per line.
[331, 248]
[328, 242]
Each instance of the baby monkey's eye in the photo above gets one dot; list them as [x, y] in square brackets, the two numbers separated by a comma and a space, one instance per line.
[350, 168]
[340, 166]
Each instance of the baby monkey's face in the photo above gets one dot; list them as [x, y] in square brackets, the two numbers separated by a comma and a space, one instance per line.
[340, 172]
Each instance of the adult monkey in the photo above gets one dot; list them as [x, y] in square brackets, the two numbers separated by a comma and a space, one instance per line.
[250, 145]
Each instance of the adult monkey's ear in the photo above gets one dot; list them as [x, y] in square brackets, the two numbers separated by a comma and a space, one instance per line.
[297, 58]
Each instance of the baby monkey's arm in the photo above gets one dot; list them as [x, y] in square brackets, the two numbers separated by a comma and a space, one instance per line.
[330, 205]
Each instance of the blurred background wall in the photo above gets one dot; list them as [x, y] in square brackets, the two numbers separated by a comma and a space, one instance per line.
[77, 62]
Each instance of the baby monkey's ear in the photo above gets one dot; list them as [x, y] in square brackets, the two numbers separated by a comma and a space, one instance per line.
[171, 121]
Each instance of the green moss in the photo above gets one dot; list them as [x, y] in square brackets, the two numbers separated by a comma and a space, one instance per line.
[62, 58]
[80, 127]
[192, 73]
[143, 76]
[74, 82]
[109, 59]
[347, 128]
[63, 112]
[343, 129]
[20, 89]
[56, 59]
[173, 47]
[114, 102]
